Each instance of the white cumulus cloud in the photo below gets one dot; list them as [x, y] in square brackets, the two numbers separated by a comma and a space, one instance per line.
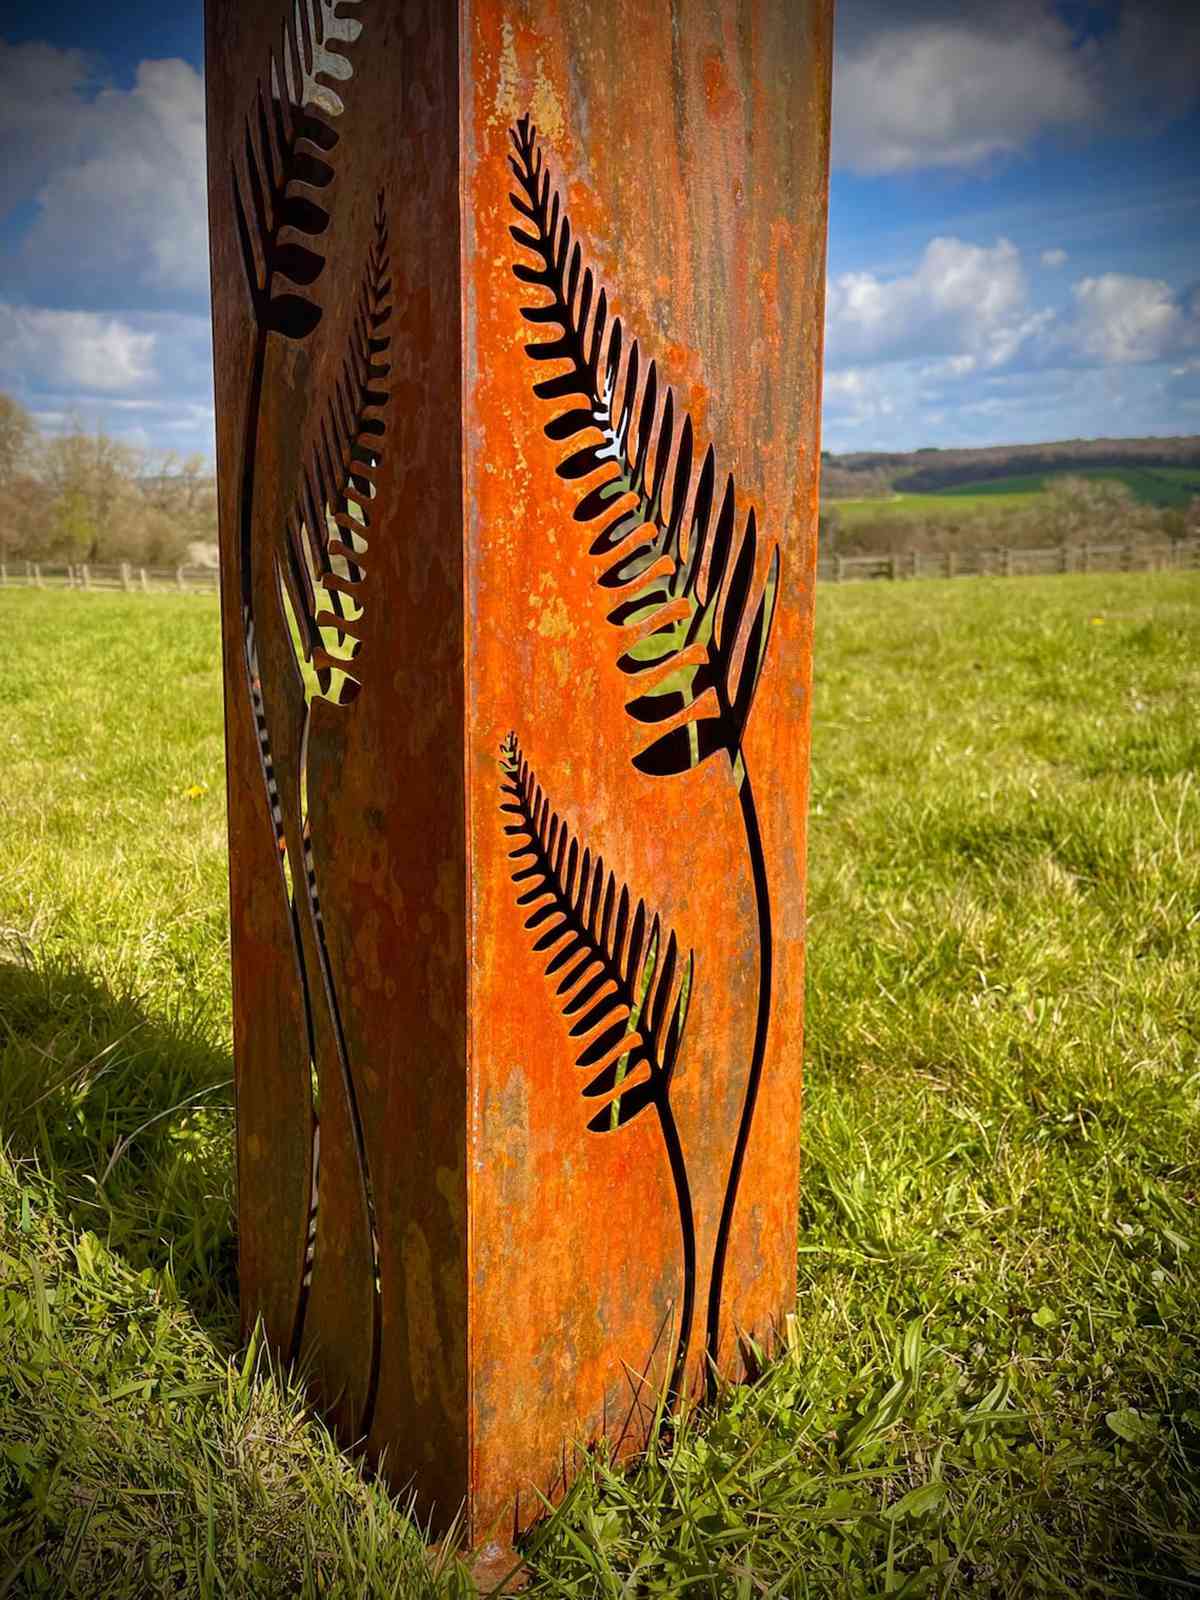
[953, 90]
[144, 371]
[83, 349]
[41, 92]
[1120, 319]
[961, 300]
[940, 84]
[1054, 258]
[121, 215]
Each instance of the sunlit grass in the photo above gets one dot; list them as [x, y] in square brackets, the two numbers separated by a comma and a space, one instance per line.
[913, 507]
[992, 1384]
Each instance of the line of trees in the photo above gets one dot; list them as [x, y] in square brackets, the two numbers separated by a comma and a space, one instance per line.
[1070, 510]
[82, 496]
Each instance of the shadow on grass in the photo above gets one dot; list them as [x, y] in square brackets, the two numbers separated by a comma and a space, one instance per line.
[129, 1116]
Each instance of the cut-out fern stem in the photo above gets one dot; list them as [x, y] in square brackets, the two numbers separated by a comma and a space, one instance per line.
[287, 150]
[615, 971]
[686, 594]
[762, 1019]
[340, 474]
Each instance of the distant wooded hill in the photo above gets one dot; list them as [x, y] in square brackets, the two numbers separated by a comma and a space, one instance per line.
[876, 474]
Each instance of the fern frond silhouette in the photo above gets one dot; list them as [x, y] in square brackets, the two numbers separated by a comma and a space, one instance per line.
[287, 139]
[620, 982]
[324, 563]
[616, 966]
[687, 594]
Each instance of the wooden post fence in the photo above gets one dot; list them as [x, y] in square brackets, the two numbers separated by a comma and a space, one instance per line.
[982, 561]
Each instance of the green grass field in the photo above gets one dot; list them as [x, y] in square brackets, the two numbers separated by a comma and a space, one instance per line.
[993, 1381]
[940, 507]
[1155, 486]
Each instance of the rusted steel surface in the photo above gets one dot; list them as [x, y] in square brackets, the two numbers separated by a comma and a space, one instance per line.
[339, 395]
[517, 320]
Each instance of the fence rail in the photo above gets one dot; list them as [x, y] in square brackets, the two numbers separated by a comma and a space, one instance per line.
[996, 561]
[124, 576]
[1004, 561]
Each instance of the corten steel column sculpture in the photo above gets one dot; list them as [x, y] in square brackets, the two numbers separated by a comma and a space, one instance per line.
[518, 320]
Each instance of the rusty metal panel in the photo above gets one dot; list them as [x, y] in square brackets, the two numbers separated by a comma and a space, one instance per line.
[643, 256]
[517, 318]
[333, 167]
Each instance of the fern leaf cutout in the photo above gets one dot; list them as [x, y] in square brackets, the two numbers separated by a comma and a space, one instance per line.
[680, 572]
[619, 982]
[622, 987]
[287, 143]
[323, 566]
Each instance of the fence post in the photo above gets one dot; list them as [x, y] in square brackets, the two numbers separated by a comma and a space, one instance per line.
[1085, 557]
[951, 564]
[1064, 558]
[3, 575]
[37, 574]
[145, 581]
[1127, 556]
[179, 579]
[125, 584]
[892, 566]
[1008, 561]
[85, 576]
[837, 569]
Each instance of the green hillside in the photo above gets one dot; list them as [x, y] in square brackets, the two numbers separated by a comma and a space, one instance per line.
[1160, 471]
[1161, 487]
[1154, 486]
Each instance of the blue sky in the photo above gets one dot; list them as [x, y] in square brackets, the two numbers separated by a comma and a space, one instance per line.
[1014, 248]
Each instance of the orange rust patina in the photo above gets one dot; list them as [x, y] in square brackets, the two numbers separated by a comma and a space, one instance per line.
[518, 333]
